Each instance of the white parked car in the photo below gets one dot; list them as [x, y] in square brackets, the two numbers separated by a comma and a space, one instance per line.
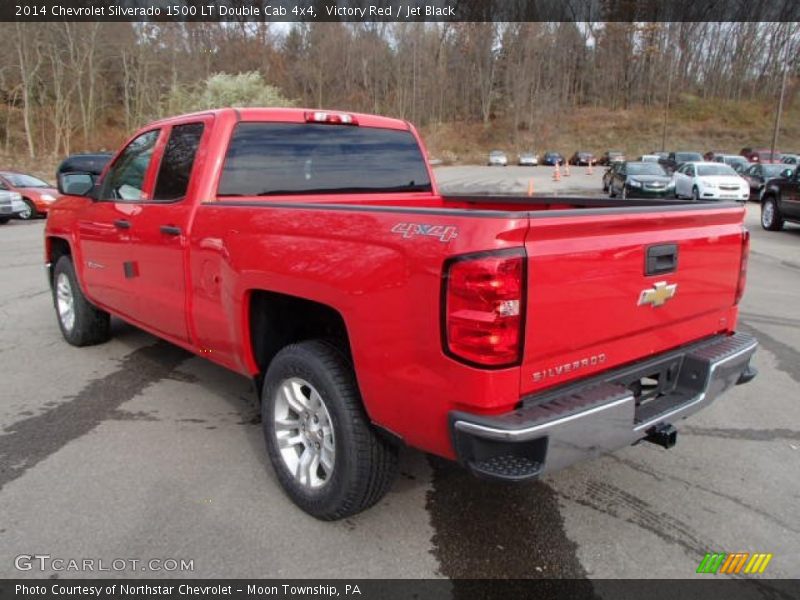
[498, 159]
[11, 205]
[710, 180]
[528, 159]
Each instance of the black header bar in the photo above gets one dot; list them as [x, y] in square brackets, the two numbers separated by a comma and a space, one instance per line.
[401, 11]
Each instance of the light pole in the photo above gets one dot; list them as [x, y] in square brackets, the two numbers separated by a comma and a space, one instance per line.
[666, 106]
[779, 110]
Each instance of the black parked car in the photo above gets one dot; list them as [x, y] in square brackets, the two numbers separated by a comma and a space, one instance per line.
[552, 159]
[780, 200]
[759, 173]
[676, 159]
[582, 158]
[640, 180]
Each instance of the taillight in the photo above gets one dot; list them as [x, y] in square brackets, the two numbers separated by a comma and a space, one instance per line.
[484, 304]
[319, 116]
[743, 266]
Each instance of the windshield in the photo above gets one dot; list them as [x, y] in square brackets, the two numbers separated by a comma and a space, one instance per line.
[289, 158]
[646, 168]
[719, 169]
[21, 180]
[687, 156]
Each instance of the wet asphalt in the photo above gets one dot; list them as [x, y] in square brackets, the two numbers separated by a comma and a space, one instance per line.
[137, 449]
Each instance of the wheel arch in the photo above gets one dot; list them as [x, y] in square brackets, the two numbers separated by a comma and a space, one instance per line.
[274, 320]
[55, 248]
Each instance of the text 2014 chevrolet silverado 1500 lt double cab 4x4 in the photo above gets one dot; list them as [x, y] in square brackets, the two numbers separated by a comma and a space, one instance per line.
[311, 251]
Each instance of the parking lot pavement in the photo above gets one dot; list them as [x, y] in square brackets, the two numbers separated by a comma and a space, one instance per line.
[517, 180]
[137, 450]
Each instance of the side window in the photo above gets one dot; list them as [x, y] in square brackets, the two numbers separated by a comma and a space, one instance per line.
[690, 171]
[177, 162]
[125, 179]
[3, 185]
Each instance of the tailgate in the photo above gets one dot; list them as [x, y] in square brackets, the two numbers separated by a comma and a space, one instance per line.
[591, 304]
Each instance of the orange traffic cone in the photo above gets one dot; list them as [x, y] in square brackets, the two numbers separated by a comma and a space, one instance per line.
[566, 169]
[530, 188]
[589, 168]
[557, 173]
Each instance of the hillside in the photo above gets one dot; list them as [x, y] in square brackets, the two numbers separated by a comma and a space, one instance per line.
[694, 124]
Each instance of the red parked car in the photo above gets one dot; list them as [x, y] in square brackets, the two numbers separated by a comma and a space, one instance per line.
[761, 155]
[312, 251]
[38, 195]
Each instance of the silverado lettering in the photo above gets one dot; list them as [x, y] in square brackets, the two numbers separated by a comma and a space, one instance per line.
[260, 239]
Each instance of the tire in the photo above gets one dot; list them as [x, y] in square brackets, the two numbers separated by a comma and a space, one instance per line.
[611, 192]
[312, 384]
[4, 220]
[624, 192]
[771, 218]
[695, 194]
[88, 324]
[31, 212]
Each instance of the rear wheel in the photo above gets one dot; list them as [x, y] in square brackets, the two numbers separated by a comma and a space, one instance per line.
[81, 323]
[4, 220]
[325, 453]
[771, 218]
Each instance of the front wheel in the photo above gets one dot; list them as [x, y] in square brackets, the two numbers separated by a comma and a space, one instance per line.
[30, 211]
[325, 453]
[695, 194]
[81, 323]
[771, 219]
[4, 220]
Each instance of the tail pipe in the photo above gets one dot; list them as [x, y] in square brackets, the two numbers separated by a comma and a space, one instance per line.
[663, 435]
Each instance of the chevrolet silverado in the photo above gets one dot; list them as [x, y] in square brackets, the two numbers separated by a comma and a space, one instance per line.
[312, 252]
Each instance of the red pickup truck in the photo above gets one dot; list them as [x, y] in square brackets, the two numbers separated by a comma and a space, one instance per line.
[311, 251]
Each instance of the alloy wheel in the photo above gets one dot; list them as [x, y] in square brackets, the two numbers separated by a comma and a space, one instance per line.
[304, 433]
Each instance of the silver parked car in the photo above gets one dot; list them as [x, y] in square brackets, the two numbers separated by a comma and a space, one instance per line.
[11, 205]
[528, 159]
[498, 158]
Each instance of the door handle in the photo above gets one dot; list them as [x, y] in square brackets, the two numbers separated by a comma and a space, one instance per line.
[661, 259]
[122, 224]
[170, 230]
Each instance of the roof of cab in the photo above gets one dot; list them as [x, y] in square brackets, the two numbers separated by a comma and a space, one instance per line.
[296, 115]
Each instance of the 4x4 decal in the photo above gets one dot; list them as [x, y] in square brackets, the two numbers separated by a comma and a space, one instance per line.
[444, 233]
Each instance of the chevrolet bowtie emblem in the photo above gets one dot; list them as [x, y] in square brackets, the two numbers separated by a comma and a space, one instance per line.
[658, 294]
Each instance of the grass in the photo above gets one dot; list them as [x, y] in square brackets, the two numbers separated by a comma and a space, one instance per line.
[694, 124]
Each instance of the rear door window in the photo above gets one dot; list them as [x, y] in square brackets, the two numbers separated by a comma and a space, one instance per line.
[266, 159]
[177, 162]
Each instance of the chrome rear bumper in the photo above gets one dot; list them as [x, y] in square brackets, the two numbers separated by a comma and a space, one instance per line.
[583, 420]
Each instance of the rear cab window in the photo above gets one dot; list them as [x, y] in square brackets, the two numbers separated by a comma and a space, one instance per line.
[275, 159]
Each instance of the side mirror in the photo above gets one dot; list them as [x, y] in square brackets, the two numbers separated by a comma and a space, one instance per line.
[787, 173]
[75, 184]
